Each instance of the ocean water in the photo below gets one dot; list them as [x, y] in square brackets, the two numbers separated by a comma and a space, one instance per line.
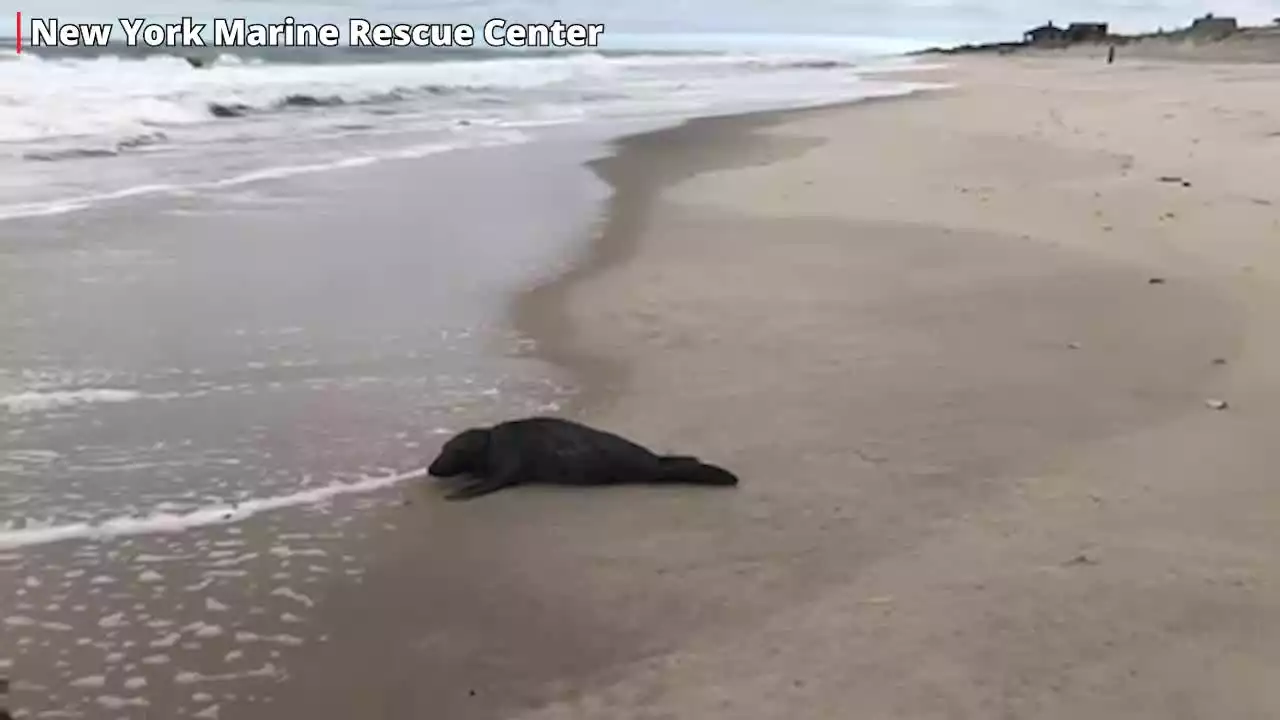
[81, 128]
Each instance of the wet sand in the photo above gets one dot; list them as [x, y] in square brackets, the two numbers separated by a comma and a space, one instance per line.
[268, 342]
[980, 478]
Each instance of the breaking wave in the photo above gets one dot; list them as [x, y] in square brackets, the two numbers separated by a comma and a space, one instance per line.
[120, 101]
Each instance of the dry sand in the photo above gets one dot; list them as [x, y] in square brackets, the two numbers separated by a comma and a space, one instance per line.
[980, 476]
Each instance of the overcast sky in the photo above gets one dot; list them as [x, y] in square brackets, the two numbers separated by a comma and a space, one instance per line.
[944, 20]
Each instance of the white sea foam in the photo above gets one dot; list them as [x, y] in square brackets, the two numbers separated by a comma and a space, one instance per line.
[43, 401]
[167, 641]
[112, 621]
[290, 594]
[118, 98]
[80, 202]
[111, 702]
[278, 172]
[203, 630]
[135, 683]
[35, 534]
[191, 678]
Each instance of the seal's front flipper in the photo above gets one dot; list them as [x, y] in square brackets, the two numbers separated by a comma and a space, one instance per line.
[507, 473]
[478, 488]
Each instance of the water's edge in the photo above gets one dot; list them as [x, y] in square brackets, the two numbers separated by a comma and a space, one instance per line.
[637, 167]
[422, 592]
[536, 308]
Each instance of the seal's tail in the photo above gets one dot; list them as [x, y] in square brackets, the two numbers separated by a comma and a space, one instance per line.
[692, 471]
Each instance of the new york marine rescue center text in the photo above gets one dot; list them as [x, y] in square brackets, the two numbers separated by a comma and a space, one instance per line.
[238, 32]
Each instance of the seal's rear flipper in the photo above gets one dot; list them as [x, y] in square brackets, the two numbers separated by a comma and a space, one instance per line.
[692, 471]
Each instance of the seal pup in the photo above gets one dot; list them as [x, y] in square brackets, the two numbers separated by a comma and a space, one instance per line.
[554, 451]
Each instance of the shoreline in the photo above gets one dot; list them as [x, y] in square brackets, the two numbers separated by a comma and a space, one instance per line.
[540, 311]
[460, 602]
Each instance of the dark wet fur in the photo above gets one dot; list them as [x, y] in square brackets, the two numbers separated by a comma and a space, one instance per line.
[553, 451]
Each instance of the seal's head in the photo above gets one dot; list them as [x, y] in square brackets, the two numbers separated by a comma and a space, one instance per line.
[463, 454]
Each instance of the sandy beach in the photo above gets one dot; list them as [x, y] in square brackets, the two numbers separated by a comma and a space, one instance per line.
[996, 366]
[982, 479]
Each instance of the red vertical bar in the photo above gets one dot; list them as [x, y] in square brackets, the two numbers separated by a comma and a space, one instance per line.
[18, 16]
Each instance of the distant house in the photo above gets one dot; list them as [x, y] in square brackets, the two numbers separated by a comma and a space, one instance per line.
[1047, 34]
[1212, 27]
[1085, 32]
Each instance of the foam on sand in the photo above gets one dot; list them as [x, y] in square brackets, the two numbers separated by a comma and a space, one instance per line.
[212, 515]
[43, 401]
